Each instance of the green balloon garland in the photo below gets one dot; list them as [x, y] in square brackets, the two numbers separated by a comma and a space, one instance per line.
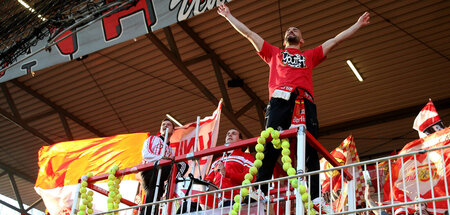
[113, 184]
[287, 166]
[85, 206]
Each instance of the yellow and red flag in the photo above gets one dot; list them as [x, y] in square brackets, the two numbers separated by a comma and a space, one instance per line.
[62, 164]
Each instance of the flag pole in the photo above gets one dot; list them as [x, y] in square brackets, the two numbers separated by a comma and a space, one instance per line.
[76, 199]
[158, 179]
[196, 145]
[198, 164]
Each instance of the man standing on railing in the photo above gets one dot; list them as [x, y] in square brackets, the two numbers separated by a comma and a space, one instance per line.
[152, 151]
[290, 87]
[229, 170]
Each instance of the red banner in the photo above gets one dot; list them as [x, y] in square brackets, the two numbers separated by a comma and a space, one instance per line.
[183, 139]
[423, 175]
[345, 154]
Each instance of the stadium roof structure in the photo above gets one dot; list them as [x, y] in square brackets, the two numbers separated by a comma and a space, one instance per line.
[403, 56]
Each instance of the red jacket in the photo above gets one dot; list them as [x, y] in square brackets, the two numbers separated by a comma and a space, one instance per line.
[236, 165]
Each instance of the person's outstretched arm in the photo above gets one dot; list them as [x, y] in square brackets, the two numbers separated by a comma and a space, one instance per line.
[349, 32]
[254, 38]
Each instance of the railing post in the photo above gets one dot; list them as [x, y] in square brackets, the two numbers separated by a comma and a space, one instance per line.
[301, 146]
[75, 199]
[172, 188]
[352, 193]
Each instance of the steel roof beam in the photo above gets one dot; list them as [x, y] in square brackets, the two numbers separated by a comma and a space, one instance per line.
[34, 204]
[10, 100]
[16, 191]
[12, 207]
[261, 116]
[223, 89]
[66, 126]
[174, 48]
[171, 41]
[179, 64]
[17, 172]
[196, 59]
[246, 107]
[57, 108]
[25, 126]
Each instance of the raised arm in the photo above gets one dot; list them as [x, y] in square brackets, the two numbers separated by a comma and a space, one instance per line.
[254, 38]
[349, 32]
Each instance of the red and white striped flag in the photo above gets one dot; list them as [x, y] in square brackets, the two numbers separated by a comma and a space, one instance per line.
[428, 120]
[345, 154]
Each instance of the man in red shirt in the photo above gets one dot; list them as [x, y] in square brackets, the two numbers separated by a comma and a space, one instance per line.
[290, 87]
[229, 169]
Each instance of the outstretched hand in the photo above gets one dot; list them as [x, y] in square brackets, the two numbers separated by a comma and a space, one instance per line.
[364, 19]
[223, 10]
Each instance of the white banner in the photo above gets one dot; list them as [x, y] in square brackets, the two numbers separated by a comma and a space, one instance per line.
[183, 140]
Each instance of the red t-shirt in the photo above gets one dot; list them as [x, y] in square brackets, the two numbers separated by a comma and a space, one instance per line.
[291, 67]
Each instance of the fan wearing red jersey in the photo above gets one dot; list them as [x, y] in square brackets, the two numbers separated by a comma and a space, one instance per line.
[291, 87]
[229, 170]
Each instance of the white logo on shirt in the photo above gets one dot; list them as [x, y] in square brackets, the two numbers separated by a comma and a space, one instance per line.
[296, 60]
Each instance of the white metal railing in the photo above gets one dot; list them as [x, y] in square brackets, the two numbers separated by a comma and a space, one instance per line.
[278, 200]
[283, 199]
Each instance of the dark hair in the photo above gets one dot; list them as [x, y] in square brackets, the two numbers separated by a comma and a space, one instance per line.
[240, 135]
[167, 119]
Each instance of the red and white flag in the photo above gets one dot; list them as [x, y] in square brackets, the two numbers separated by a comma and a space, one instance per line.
[183, 139]
[407, 187]
[428, 120]
[345, 154]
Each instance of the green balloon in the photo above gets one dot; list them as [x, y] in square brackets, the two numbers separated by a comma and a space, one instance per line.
[244, 192]
[286, 152]
[265, 134]
[286, 166]
[302, 188]
[83, 190]
[291, 171]
[294, 183]
[248, 176]
[82, 207]
[236, 206]
[237, 198]
[245, 182]
[285, 145]
[275, 134]
[259, 156]
[253, 170]
[257, 163]
[259, 147]
[90, 211]
[305, 197]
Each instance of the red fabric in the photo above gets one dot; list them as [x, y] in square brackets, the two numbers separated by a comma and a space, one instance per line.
[291, 67]
[345, 154]
[405, 186]
[237, 165]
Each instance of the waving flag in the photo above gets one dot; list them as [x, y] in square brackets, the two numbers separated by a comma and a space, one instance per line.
[428, 184]
[183, 139]
[428, 120]
[62, 164]
[345, 153]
